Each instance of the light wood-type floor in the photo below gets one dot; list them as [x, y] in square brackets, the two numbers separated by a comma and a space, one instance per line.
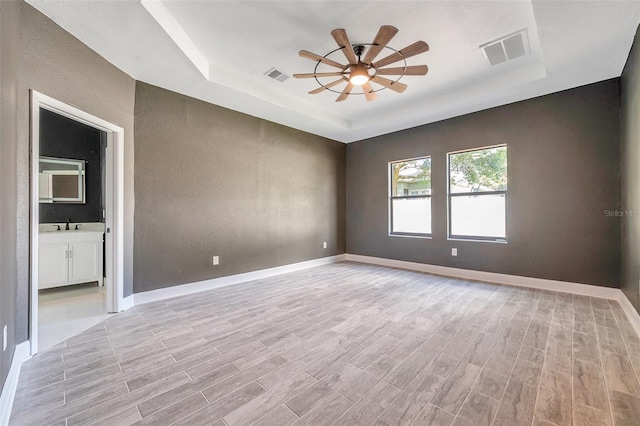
[345, 344]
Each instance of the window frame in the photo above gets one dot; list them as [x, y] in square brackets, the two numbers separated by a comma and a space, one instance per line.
[455, 237]
[391, 197]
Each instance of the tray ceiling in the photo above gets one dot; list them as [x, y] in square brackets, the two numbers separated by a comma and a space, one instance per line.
[219, 52]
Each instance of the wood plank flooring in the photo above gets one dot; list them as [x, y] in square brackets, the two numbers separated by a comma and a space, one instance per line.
[345, 344]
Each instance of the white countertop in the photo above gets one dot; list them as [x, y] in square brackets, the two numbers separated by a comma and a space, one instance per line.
[82, 227]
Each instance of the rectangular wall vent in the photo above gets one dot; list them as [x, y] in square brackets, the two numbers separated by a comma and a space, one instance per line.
[276, 75]
[506, 48]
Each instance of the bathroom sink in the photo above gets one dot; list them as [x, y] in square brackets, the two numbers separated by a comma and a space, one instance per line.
[83, 227]
[69, 231]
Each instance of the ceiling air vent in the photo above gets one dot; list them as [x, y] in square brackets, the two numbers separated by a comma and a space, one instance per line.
[506, 48]
[276, 75]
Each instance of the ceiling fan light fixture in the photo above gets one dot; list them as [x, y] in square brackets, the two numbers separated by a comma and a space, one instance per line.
[359, 75]
[365, 72]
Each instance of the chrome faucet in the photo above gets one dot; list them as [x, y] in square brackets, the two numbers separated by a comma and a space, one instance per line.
[66, 228]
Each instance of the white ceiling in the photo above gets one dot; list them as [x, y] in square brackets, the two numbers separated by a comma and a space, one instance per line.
[218, 51]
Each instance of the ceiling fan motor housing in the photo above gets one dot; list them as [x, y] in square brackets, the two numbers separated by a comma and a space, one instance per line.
[359, 74]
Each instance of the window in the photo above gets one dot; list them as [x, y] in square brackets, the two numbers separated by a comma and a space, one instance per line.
[478, 193]
[410, 197]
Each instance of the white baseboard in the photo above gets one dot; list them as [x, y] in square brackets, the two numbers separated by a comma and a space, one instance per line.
[514, 280]
[185, 289]
[630, 312]
[20, 354]
[128, 302]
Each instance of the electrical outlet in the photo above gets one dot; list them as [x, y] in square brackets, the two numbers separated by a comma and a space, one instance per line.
[454, 252]
[4, 338]
[324, 245]
[216, 260]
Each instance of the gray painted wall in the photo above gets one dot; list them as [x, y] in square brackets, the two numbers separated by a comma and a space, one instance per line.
[55, 63]
[9, 45]
[211, 181]
[563, 155]
[630, 165]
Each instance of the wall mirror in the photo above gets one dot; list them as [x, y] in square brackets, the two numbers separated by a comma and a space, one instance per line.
[61, 180]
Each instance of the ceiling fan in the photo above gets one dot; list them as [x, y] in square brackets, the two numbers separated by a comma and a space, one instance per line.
[364, 71]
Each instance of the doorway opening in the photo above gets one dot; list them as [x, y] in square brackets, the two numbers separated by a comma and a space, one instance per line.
[76, 220]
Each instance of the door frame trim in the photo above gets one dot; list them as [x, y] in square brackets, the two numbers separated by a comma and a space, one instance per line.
[114, 208]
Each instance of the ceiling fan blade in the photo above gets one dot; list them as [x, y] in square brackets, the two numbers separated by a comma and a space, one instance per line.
[340, 36]
[326, 86]
[412, 70]
[384, 36]
[345, 93]
[409, 51]
[368, 92]
[318, 74]
[396, 86]
[314, 57]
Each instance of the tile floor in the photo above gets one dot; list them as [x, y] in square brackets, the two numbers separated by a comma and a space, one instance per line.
[66, 311]
[345, 344]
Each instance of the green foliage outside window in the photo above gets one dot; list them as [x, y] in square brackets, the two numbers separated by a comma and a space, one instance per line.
[481, 170]
[411, 175]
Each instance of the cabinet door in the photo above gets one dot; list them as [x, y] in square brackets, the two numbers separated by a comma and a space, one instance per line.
[52, 265]
[85, 261]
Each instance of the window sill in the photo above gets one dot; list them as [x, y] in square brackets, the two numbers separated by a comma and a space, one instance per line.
[477, 240]
[424, 236]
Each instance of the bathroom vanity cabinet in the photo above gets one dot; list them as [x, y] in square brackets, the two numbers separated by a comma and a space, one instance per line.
[69, 257]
